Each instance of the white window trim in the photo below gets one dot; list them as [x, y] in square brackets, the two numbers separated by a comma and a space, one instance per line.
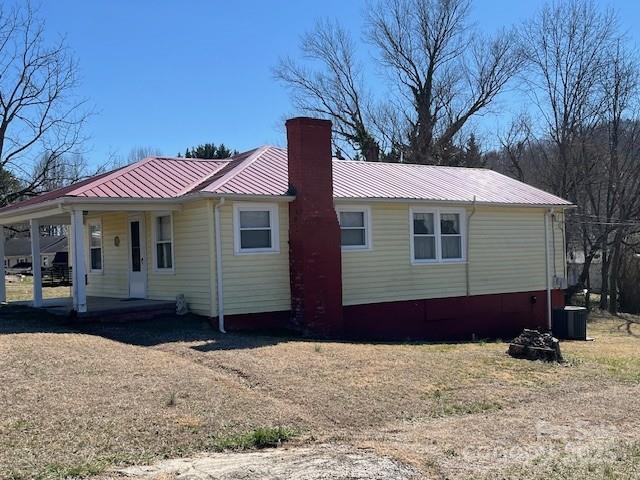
[436, 218]
[272, 208]
[90, 222]
[154, 238]
[366, 210]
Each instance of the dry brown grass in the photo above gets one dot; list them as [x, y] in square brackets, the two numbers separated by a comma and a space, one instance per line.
[75, 402]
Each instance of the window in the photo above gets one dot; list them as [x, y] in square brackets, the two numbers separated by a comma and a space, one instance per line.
[451, 236]
[355, 227]
[163, 239]
[437, 235]
[95, 245]
[256, 228]
[424, 236]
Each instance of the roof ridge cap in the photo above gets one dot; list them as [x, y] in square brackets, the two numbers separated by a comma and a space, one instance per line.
[115, 173]
[185, 159]
[241, 167]
[410, 164]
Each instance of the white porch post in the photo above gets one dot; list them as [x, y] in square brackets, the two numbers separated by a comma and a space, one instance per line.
[3, 289]
[36, 263]
[79, 268]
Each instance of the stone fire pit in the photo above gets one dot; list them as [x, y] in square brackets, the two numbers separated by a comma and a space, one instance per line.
[533, 345]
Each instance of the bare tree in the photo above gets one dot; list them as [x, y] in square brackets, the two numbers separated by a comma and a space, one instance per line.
[140, 152]
[445, 72]
[518, 147]
[622, 199]
[566, 45]
[442, 74]
[41, 117]
[334, 88]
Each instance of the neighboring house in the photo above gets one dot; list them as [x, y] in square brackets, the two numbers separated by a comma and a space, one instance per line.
[575, 265]
[291, 238]
[17, 250]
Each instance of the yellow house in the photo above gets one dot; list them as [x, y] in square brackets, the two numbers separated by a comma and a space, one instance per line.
[292, 238]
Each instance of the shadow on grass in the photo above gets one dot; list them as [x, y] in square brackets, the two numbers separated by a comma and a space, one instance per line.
[146, 333]
[175, 329]
[20, 319]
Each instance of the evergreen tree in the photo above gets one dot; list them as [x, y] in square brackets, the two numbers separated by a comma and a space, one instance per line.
[471, 155]
[210, 150]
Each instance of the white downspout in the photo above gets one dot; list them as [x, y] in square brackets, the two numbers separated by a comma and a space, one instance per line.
[218, 236]
[547, 268]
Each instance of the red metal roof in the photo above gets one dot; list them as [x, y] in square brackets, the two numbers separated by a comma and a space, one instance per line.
[263, 171]
[151, 178]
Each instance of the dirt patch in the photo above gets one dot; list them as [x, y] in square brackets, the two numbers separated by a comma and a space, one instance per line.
[326, 462]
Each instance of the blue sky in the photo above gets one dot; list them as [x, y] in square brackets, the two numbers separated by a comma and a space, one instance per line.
[171, 74]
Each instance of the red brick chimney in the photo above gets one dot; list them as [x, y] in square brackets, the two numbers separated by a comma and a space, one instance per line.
[314, 234]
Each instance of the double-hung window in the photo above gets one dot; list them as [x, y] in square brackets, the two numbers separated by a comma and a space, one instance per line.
[355, 227]
[255, 228]
[437, 235]
[95, 245]
[163, 240]
[451, 236]
[424, 236]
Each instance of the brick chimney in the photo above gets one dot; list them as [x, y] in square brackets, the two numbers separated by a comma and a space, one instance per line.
[314, 234]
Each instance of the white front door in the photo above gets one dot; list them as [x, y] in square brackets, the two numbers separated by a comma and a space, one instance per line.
[137, 257]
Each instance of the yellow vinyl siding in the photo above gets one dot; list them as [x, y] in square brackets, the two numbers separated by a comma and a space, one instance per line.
[506, 254]
[191, 274]
[257, 282]
[113, 281]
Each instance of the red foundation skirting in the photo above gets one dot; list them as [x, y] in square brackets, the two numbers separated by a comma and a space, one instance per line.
[265, 321]
[501, 315]
[456, 318]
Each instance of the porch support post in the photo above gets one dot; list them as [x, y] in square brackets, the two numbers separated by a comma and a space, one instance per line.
[78, 268]
[36, 263]
[3, 289]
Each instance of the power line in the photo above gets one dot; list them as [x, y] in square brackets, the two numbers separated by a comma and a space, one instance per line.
[613, 224]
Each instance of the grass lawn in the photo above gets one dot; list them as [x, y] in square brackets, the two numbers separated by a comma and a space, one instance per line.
[23, 290]
[76, 402]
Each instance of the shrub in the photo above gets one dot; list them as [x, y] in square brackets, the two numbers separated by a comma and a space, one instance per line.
[261, 437]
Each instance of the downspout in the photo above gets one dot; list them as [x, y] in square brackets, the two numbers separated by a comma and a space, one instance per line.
[468, 242]
[547, 268]
[218, 237]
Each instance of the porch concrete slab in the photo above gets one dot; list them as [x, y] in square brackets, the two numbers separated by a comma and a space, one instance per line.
[106, 307]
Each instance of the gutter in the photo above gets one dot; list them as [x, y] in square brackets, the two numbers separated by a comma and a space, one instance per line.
[241, 197]
[62, 202]
[466, 269]
[449, 202]
[218, 240]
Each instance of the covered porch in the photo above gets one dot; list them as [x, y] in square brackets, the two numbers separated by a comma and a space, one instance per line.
[86, 252]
